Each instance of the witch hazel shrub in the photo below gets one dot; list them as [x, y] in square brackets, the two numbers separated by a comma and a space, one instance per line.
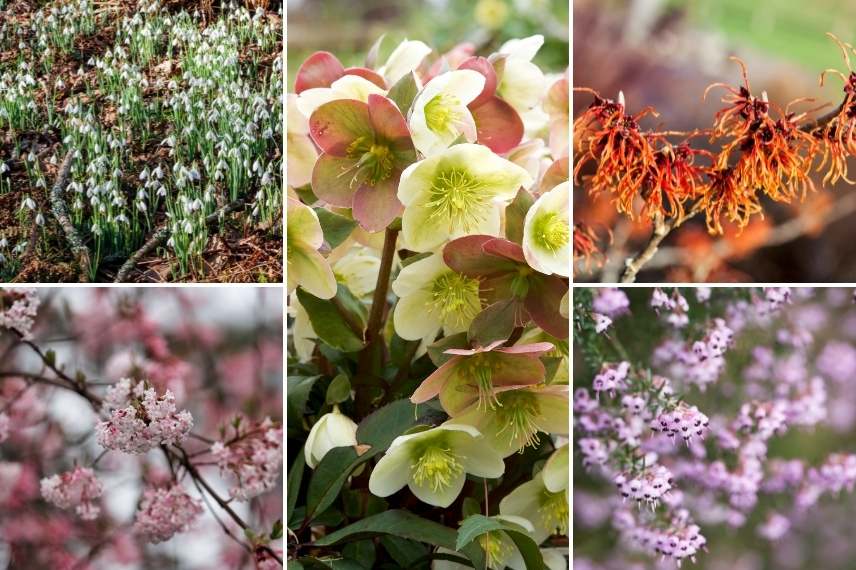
[713, 426]
[137, 429]
[428, 247]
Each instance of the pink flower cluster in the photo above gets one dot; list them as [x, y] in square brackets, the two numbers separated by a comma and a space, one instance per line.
[18, 308]
[611, 378]
[674, 305]
[684, 421]
[679, 540]
[253, 457]
[648, 486]
[165, 512]
[611, 302]
[140, 419]
[78, 488]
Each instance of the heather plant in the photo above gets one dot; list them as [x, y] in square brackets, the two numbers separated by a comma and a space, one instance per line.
[129, 438]
[428, 249]
[713, 426]
[165, 132]
[757, 152]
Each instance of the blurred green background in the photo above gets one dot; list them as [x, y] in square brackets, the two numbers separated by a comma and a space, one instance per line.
[348, 28]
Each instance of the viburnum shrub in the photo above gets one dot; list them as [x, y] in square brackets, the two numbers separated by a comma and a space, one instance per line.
[714, 426]
[756, 149]
[428, 248]
[121, 429]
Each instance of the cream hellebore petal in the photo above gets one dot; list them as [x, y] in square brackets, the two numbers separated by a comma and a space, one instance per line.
[434, 463]
[556, 471]
[302, 153]
[547, 232]
[302, 333]
[305, 266]
[346, 87]
[431, 297]
[554, 559]
[331, 430]
[523, 84]
[404, 58]
[547, 511]
[439, 114]
[461, 191]
[358, 270]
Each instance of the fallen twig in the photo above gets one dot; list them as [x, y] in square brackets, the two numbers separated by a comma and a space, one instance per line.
[60, 212]
[162, 235]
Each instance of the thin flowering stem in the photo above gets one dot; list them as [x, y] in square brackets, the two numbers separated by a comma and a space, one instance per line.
[379, 301]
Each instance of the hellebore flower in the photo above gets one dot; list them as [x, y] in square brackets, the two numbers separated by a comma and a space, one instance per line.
[547, 511]
[556, 471]
[522, 83]
[499, 548]
[498, 125]
[306, 267]
[404, 58]
[346, 87]
[301, 152]
[434, 463]
[461, 191]
[433, 297]
[547, 232]
[514, 291]
[439, 114]
[322, 69]
[520, 413]
[556, 104]
[331, 430]
[472, 375]
[365, 147]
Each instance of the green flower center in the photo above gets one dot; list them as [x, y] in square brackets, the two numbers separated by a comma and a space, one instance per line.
[551, 232]
[518, 415]
[459, 197]
[496, 550]
[376, 161]
[554, 511]
[479, 370]
[441, 113]
[455, 298]
[436, 467]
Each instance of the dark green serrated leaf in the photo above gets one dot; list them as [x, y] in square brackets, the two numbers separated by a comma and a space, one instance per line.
[379, 428]
[515, 215]
[295, 478]
[294, 565]
[404, 92]
[336, 228]
[329, 476]
[339, 390]
[361, 551]
[477, 525]
[496, 322]
[297, 394]
[405, 552]
[528, 549]
[329, 324]
[473, 527]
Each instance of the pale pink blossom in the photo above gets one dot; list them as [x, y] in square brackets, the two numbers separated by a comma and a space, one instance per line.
[165, 512]
[4, 427]
[18, 309]
[253, 458]
[78, 488]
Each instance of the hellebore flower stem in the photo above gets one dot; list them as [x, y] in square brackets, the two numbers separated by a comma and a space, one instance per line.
[369, 358]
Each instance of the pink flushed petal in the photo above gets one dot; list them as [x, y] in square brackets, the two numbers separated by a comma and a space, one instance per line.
[483, 66]
[367, 74]
[542, 301]
[451, 59]
[555, 174]
[504, 248]
[319, 70]
[476, 350]
[498, 125]
[335, 125]
[332, 179]
[466, 255]
[536, 348]
[389, 124]
[432, 385]
[375, 207]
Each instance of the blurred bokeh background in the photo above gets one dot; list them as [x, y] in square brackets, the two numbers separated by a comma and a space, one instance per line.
[348, 28]
[664, 53]
[823, 537]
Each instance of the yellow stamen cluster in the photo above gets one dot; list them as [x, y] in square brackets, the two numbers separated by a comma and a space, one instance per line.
[456, 298]
[496, 550]
[518, 416]
[479, 370]
[436, 467]
[460, 197]
[551, 231]
[441, 113]
[554, 510]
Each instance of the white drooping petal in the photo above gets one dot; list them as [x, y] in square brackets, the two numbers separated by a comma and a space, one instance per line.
[305, 266]
[547, 232]
[331, 430]
[391, 473]
[523, 84]
[404, 58]
[556, 470]
[522, 48]
[358, 270]
[302, 333]
[439, 115]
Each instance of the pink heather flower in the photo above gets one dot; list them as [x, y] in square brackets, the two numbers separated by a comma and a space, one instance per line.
[838, 472]
[611, 378]
[165, 512]
[684, 421]
[633, 403]
[702, 294]
[78, 488]
[775, 527]
[764, 418]
[601, 322]
[594, 451]
[611, 302]
[146, 420]
[777, 296]
[680, 540]
[253, 457]
[837, 361]
[18, 309]
[4, 427]
[649, 486]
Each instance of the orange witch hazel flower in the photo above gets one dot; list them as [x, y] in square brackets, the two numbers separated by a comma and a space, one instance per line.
[726, 196]
[474, 374]
[837, 136]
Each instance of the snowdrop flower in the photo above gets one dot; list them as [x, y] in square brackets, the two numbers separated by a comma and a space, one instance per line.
[461, 191]
[331, 430]
[433, 463]
[547, 232]
[439, 114]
